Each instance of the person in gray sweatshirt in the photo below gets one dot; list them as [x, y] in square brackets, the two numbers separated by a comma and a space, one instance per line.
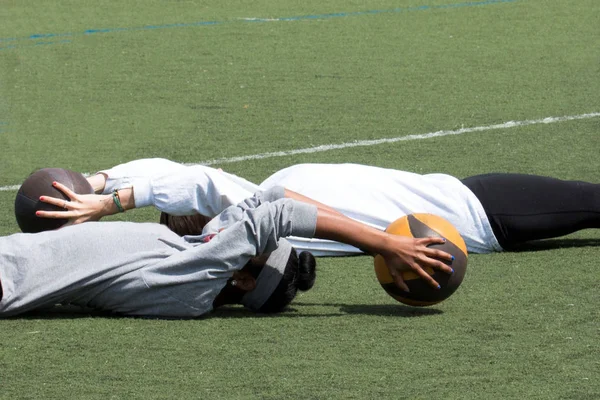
[144, 269]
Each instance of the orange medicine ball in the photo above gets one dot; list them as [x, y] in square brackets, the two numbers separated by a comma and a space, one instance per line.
[421, 293]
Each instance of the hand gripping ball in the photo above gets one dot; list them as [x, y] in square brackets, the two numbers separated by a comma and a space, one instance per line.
[421, 294]
[27, 201]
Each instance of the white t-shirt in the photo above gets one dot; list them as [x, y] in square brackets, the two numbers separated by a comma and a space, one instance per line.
[379, 196]
[372, 195]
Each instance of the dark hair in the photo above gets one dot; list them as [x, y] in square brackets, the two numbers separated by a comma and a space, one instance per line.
[299, 274]
[186, 224]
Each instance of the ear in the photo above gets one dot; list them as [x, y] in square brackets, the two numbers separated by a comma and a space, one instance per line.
[244, 281]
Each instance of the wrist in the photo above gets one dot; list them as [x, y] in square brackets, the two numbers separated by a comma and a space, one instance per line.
[384, 244]
[117, 201]
[107, 206]
[376, 242]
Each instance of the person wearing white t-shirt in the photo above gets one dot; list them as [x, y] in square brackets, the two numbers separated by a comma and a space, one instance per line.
[493, 212]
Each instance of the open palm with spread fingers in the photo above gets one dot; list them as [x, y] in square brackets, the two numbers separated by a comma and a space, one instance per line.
[79, 208]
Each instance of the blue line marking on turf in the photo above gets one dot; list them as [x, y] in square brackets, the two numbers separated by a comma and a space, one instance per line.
[38, 36]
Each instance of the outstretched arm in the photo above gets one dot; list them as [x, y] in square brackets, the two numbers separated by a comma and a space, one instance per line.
[306, 220]
[170, 187]
[87, 207]
[401, 253]
[178, 190]
[83, 208]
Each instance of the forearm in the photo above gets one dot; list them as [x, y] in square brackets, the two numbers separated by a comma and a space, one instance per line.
[299, 197]
[106, 204]
[98, 182]
[332, 225]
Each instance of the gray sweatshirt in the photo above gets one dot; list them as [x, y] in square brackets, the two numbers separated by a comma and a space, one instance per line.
[144, 268]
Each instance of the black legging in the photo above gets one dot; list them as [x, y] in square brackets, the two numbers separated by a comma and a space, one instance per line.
[528, 207]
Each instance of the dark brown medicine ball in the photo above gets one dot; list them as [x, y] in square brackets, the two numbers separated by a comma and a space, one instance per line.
[39, 184]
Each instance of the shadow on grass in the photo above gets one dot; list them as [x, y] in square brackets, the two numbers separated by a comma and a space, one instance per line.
[227, 312]
[388, 310]
[395, 310]
[552, 244]
[65, 312]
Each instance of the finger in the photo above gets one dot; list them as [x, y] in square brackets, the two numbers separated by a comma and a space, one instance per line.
[70, 194]
[62, 203]
[438, 254]
[428, 241]
[437, 264]
[440, 260]
[56, 214]
[400, 282]
[425, 276]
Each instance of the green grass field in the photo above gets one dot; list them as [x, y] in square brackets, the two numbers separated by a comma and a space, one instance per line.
[90, 84]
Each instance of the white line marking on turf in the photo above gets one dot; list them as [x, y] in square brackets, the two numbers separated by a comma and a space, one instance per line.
[261, 19]
[374, 142]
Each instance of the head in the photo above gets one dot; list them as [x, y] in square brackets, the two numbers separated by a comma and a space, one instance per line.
[184, 225]
[269, 286]
[39, 183]
[267, 283]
